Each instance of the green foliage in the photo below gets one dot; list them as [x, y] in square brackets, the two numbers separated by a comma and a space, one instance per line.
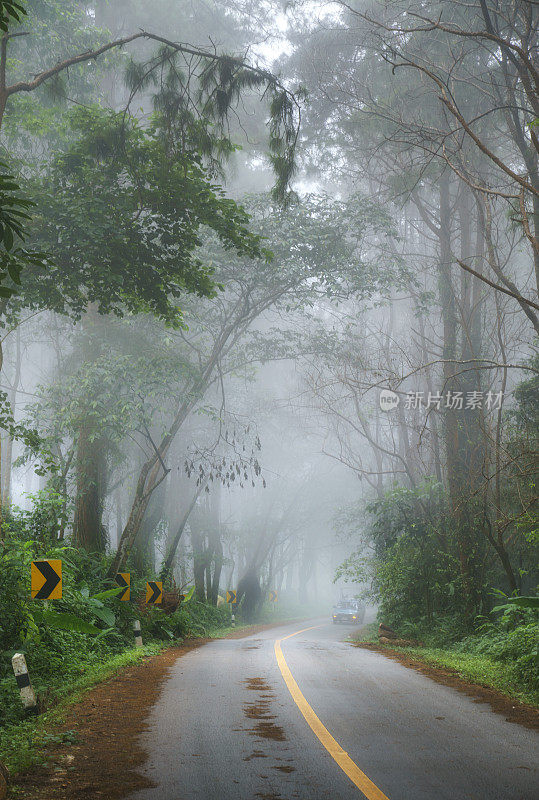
[191, 619]
[65, 622]
[106, 388]
[522, 476]
[416, 580]
[28, 436]
[510, 640]
[41, 524]
[410, 555]
[414, 570]
[518, 648]
[122, 215]
[57, 637]
[14, 219]
[10, 11]
[13, 211]
[522, 602]
[64, 639]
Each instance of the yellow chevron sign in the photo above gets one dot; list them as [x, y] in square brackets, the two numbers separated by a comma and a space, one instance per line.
[124, 579]
[46, 579]
[231, 597]
[273, 596]
[154, 592]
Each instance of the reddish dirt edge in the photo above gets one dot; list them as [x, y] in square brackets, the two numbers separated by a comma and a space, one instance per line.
[108, 721]
[513, 710]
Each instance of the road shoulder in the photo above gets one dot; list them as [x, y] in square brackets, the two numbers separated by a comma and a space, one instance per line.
[512, 709]
[93, 749]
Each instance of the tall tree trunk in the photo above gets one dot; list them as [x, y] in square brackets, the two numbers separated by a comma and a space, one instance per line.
[90, 465]
[199, 559]
[215, 545]
[450, 419]
[91, 453]
[434, 425]
[536, 235]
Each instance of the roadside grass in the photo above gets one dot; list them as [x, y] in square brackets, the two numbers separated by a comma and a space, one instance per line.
[367, 634]
[23, 744]
[477, 668]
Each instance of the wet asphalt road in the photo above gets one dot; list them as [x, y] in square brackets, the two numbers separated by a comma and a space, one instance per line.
[227, 728]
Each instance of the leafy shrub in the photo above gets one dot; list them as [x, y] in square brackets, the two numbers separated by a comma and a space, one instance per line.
[66, 638]
[518, 648]
[63, 639]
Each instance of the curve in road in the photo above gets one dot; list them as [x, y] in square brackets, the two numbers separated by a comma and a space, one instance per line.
[226, 728]
[340, 756]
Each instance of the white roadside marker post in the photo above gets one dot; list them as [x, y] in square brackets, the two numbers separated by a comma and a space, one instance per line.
[22, 677]
[233, 622]
[136, 631]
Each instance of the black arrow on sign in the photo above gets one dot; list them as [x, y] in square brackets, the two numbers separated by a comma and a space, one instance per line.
[52, 579]
[156, 592]
[121, 581]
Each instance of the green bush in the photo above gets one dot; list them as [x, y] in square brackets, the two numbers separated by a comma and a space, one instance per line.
[64, 639]
[517, 648]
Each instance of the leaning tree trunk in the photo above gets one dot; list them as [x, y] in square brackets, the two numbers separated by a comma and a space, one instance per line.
[168, 564]
[144, 544]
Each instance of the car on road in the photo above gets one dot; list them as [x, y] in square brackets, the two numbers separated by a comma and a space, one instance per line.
[347, 611]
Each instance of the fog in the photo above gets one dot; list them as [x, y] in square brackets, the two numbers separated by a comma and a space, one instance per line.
[345, 406]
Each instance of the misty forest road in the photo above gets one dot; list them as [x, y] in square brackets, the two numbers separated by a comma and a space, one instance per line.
[229, 726]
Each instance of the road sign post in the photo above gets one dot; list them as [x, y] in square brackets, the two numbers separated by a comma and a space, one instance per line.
[154, 592]
[231, 598]
[273, 596]
[46, 579]
[123, 579]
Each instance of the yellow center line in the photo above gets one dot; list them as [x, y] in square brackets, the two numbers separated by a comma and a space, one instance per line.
[358, 778]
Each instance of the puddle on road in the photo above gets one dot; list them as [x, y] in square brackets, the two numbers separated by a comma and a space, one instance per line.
[260, 710]
[256, 644]
[257, 685]
[268, 730]
[269, 796]
[255, 754]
